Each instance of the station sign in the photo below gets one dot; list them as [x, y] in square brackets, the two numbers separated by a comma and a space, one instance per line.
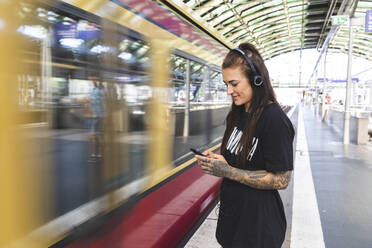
[340, 20]
[328, 80]
[368, 24]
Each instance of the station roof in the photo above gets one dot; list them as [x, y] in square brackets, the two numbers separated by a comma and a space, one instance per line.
[278, 26]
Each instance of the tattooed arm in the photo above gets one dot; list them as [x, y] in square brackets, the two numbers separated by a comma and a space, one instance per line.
[260, 179]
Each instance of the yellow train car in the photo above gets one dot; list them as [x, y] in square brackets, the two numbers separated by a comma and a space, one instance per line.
[100, 103]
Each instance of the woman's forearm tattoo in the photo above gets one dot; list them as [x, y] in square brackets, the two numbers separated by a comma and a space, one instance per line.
[260, 179]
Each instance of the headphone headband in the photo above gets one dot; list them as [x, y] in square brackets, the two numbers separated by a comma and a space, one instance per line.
[247, 59]
[257, 79]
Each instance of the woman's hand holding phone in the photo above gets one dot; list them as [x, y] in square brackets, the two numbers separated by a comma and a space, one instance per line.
[208, 160]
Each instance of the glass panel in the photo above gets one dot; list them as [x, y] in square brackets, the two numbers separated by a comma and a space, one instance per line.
[218, 89]
[178, 65]
[197, 77]
[85, 88]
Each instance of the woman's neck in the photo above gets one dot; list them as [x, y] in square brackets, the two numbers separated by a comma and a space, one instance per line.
[247, 107]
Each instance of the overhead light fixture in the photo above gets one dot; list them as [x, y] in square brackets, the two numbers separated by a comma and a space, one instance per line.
[52, 18]
[38, 32]
[138, 112]
[71, 42]
[51, 13]
[124, 45]
[125, 56]
[98, 49]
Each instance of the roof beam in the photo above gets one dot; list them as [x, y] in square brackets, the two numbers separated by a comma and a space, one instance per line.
[256, 41]
[326, 21]
[184, 11]
[344, 8]
[287, 19]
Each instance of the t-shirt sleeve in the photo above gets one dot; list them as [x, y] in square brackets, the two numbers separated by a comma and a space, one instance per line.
[277, 142]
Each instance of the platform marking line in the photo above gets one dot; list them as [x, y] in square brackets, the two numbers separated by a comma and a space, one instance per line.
[306, 225]
[291, 111]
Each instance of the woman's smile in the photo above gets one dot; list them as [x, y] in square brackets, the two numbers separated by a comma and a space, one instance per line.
[235, 97]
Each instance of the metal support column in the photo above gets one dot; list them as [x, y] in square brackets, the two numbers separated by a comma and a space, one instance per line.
[300, 70]
[348, 87]
[322, 112]
[187, 101]
[207, 85]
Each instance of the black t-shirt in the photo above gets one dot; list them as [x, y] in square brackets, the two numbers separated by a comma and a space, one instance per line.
[251, 217]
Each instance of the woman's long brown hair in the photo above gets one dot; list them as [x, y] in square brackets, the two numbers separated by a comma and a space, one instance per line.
[262, 95]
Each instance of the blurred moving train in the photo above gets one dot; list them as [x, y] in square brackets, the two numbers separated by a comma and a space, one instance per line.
[100, 103]
[103, 101]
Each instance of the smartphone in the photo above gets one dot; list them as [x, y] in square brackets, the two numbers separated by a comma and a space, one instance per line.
[197, 152]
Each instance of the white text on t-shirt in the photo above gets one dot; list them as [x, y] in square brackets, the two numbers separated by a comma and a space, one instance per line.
[233, 143]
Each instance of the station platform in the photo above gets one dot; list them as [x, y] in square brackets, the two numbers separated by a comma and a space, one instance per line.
[328, 200]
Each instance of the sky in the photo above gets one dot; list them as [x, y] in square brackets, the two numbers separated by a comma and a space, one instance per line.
[284, 69]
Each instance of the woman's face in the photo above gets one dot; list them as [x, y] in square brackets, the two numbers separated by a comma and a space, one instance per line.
[238, 86]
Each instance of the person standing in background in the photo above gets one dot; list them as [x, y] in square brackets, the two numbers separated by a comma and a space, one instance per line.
[327, 103]
[96, 101]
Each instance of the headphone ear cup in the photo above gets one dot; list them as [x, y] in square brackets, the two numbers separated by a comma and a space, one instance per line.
[257, 80]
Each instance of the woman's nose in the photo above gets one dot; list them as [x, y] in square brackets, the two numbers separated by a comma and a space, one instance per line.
[229, 90]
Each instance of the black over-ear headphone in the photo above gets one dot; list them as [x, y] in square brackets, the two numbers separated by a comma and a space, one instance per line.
[255, 78]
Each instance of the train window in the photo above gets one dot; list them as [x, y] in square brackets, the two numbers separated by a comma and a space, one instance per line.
[178, 67]
[197, 79]
[86, 88]
[218, 89]
[208, 98]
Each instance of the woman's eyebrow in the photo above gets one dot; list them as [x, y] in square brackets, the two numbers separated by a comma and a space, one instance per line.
[231, 81]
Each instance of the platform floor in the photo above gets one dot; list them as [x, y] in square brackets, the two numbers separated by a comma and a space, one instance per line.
[328, 203]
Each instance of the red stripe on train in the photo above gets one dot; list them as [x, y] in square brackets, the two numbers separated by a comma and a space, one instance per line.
[162, 218]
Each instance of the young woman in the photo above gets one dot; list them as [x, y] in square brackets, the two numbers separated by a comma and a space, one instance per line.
[256, 156]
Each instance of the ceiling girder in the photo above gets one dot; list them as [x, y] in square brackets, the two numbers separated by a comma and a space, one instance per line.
[276, 26]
